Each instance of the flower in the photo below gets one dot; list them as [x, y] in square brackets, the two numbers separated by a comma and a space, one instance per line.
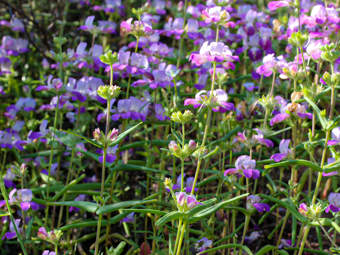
[284, 151]
[203, 244]
[185, 202]
[218, 100]
[130, 218]
[212, 52]
[215, 14]
[12, 233]
[245, 166]
[253, 201]
[335, 137]
[334, 203]
[273, 5]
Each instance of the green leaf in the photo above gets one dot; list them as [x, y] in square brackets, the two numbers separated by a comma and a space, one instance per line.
[88, 140]
[214, 208]
[318, 112]
[174, 215]
[131, 167]
[84, 205]
[227, 246]
[125, 133]
[288, 204]
[93, 223]
[295, 162]
[265, 249]
[137, 210]
[121, 205]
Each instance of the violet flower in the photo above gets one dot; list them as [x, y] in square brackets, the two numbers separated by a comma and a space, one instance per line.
[286, 110]
[110, 156]
[284, 151]
[212, 52]
[130, 218]
[14, 46]
[334, 203]
[244, 166]
[335, 137]
[215, 14]
[12, 234]
[47, 252]
[218, 100]
[203, 244]
[330, 161]
[185, 202]
[253, 201]
[273, 5]
[81, 197]
[24, 197]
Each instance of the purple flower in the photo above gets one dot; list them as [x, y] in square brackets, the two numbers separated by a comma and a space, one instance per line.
[284, 151]
[330, 161]
[14, 46]
[273, 5]
[12, 234]
[110, 156]
[213, 51]
[81, 197]
[203, 244]
[252, 237]
[24, 197]
[335, 137]
[218, 101]
[52, 83]
[185, 201]
[260, 138]
[47, 252]
[334, 203]
[130, 218]
[215, 14]
[253, 201]
[244, 165]
[303, 209]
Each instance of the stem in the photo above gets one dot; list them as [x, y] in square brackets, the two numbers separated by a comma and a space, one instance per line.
[181, 239]
[182, 160]
[305, 235]
[130, 76]
[181, 40]
[245, 228]
[4, 194]
[324, 153]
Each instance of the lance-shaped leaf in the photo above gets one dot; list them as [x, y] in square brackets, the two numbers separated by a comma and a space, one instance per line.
[288, 204]
[300, 162]
[174, 215]
[125, 133]
[84, 205]
[208, 211]
[227, 246]
[121, 205]
[316, 109]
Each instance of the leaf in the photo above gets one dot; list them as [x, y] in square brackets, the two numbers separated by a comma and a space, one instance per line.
[265, 249]
[288, 204]
[174, 215]
[212, 209]
[93, 223]
[91, 141]
[295, 162]
[227, 246]
[152, 211]
[211, 153]
[131, 167]
[121, 205]
[84, 205]
[120, 248]
[318, 112]
[125, 133]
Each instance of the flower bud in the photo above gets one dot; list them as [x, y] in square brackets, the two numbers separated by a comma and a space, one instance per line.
[192, 145]
[96, 134]
[109, 58]
[173, 147]
[108, 92]
[113, 134]
[298, 39]
[330, 53]
[167, 183]
[23, 169]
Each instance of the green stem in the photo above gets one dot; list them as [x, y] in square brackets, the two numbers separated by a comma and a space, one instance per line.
[304, 239]
[4, 194]
[181, 238]
[181, 40]
[245, 228]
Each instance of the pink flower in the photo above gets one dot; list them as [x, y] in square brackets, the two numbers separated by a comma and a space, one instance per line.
[273, 5]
